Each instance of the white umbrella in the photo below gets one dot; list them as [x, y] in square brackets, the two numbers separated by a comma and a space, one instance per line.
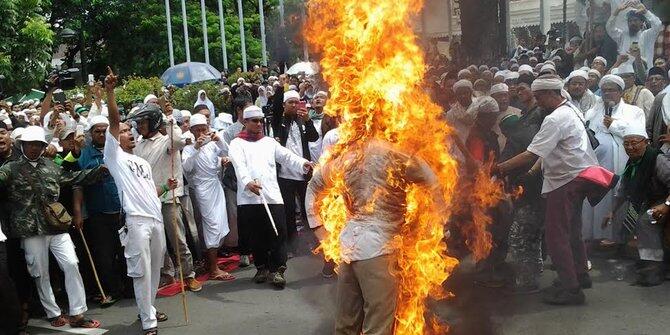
[308, 68]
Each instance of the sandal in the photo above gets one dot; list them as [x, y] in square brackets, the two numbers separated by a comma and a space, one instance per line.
[160, 316]
[152, 331]
[58, 321]
[223, 277]
[83, 322]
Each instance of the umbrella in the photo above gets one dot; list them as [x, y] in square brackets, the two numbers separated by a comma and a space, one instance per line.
[188, 73]
[307, 68]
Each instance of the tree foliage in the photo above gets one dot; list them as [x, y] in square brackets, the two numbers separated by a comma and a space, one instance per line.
[25, 44]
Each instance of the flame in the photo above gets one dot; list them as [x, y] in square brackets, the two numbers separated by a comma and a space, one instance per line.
[374, 67]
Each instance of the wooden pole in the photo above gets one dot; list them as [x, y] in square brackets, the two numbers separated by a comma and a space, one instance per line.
[176, 230]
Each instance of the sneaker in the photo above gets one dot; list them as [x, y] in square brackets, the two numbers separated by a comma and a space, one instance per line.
[328, 270]
[261, 276]
[193, 285]
[561, 296]
[278, 280]
[245, 261]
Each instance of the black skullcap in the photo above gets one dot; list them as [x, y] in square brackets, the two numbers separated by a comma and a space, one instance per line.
[657, 71]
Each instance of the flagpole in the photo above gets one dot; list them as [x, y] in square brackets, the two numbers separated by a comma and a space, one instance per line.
[185, 24]
[263, 46]
[222, 24]
[242, 41]
[204, 30]
[169, 31]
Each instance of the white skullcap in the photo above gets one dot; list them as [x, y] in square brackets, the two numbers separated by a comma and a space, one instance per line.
[464, 72]
[240, 80]
[585, 68]
[556, 58]
[149, 98]
[550, 62]
[225, 118]
[600, 59]
[498, 88]
[325, 95]
[576, 74]
[185, 113]
[547, 82]
[197, 120]
[548, 67]
[610, 78]
[487, 105]
[8, 122]
[463, 83]
[595, 72]
[513, 60]
[16, 133]
[253, 111]
[512, 75]
[98, 119]
[635, 129]
[625, 68]
[291, 95]
[525, 67]
[532, 59]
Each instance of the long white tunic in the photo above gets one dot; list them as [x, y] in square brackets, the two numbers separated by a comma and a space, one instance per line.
[201, 168]
[612, 156]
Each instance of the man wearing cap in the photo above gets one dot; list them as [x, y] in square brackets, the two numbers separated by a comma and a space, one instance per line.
[659, 122]
[645, 186]
[33, 182]
[143, 235]
[633, 94]
[255, 158]
[564, 147]
[462, 113]
[580, 95]
[294, 130]
[162, 151]
[600, 64]
[104, 215]
[316, 114]
[609, 119]
[594, 81]
[657, 80]
[500, 92]
[202, 163]
[634, 31]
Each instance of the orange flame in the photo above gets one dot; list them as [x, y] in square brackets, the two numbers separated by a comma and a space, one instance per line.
[374, 68]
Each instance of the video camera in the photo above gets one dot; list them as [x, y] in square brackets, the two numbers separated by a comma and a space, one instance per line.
[64, 79]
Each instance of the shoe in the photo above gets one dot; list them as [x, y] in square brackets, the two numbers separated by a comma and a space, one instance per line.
[328, 270]
[561, 296]
[261, 276]
[583, 279]
[244, 261]
[278, 279]
[193, 285]
[652, 274]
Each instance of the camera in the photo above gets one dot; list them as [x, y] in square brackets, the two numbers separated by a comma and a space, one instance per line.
[64, 79]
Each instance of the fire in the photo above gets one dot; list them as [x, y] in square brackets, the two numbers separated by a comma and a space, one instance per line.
[374, 67]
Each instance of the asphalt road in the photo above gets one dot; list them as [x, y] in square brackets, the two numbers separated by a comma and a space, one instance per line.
[306, 306]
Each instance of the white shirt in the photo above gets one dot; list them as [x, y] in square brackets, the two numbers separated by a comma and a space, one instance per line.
[646, 39]
[258, 160]
[294, 144]
[564, 147]
[133, 179]
[331, 137]
[315, 148]
[156, 151]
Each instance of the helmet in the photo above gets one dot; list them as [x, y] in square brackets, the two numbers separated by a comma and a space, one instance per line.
[33, 134]
[150, 112]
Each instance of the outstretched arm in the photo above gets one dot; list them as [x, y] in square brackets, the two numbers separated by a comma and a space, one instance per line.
[114, 116]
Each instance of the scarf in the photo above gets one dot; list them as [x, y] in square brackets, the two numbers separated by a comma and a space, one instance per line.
[637, 176]
[247, 136]
[313, 115]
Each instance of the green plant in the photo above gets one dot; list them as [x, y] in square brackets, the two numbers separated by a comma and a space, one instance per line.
[136, 88]
[249, 76]
[185, 98]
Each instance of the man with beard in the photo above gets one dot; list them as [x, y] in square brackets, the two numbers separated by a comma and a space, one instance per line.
[580, 95]
[624, 36]
[657, 80]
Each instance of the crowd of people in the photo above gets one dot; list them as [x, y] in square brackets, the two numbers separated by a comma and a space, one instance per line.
[158, 194]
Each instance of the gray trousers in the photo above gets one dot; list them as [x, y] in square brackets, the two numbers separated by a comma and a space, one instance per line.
[176, 237]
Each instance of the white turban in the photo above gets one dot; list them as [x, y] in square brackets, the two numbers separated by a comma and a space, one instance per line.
[547, 82]
[487, 105]
[526, 68]
[149, 98]
[576, 74]
[252, 112]
[291, 95]
[98, 119]
[185, 113]
[463, 83]
[197, 120]
[498, 88]
[600, 59]
[596, 73]
[324, 93]
[635, 129]
[610, 78]
[463, 73]
[512, 75]
[625, 68]
[548, 67]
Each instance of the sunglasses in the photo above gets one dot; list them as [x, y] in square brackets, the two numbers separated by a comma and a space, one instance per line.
[255, 120]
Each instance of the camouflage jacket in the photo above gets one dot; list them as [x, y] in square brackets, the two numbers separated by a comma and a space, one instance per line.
[26, 203]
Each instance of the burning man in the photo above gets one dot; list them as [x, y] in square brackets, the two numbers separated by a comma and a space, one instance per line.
[367, 288]
[563, 145]
[255, 158]
[202, 163]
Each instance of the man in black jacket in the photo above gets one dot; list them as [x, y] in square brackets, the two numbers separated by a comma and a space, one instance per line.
[293, 129]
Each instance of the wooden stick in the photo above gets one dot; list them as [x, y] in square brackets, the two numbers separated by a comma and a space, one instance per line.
[90, 258]
[176, 230]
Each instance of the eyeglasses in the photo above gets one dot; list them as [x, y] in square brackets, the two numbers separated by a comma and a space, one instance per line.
[633, 143]
[255, 120]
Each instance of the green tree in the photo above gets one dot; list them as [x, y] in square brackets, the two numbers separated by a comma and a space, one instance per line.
[25, 44]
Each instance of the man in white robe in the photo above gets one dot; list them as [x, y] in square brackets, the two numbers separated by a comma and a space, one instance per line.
[202, 162]
[609, 119]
